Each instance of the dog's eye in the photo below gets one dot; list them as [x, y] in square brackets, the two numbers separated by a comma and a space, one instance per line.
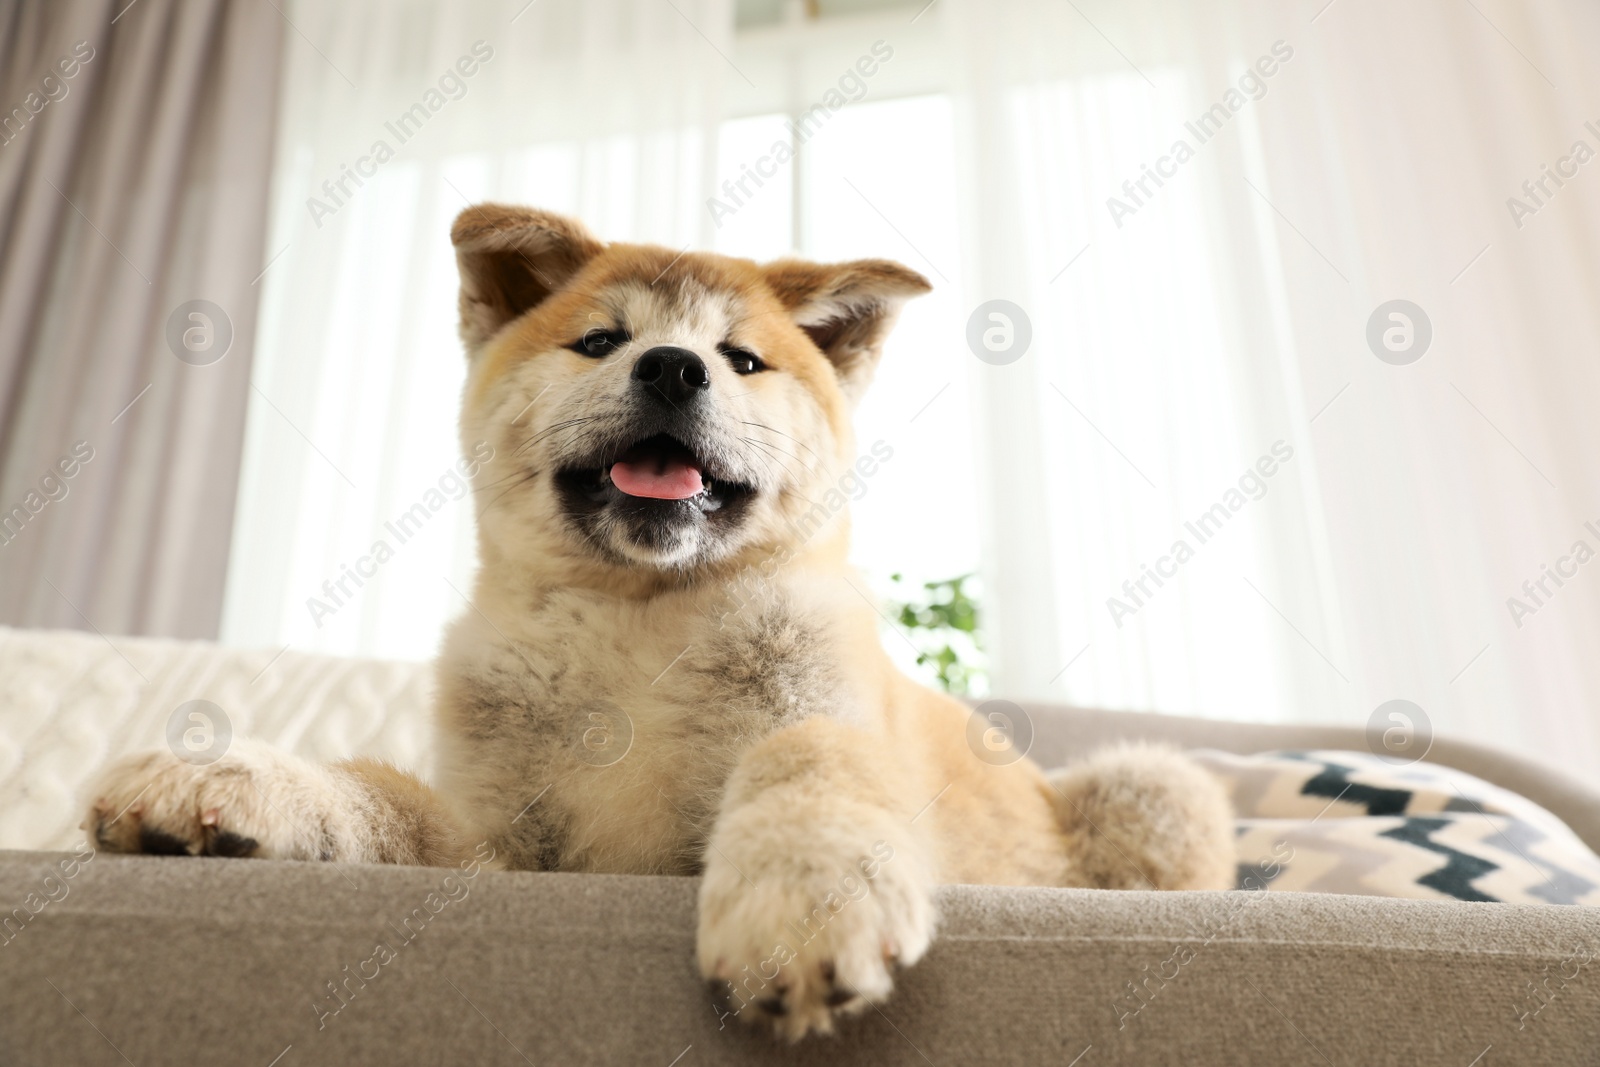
[598, 343]
[743, 361]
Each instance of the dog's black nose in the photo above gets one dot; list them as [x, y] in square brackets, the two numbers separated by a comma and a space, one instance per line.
[676, 374]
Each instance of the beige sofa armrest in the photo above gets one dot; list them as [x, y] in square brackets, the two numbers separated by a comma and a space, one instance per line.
[168, 960]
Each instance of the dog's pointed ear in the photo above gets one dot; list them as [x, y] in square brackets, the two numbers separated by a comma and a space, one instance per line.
[511, 259]
[846, 309]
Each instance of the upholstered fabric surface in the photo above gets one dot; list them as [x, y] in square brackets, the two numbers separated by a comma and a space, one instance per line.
[201, 961]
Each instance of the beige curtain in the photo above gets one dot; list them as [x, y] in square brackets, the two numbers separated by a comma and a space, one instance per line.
[135, 155]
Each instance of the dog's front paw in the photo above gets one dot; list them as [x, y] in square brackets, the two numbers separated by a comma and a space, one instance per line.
[807, 941]
[254, 801]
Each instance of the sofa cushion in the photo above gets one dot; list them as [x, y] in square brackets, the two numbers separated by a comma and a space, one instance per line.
[1352, 822]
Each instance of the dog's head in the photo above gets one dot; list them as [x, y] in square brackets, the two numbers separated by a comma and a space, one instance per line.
[655, 410]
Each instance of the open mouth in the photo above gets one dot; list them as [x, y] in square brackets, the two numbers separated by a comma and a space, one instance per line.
[659, 476]
[659, 469]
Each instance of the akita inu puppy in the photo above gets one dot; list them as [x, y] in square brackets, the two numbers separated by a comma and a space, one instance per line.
[667, 666]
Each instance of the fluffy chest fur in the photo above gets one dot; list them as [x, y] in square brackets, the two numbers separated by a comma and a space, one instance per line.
[594, 733]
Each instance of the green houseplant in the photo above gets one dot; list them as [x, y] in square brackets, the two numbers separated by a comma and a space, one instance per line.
[941, 619]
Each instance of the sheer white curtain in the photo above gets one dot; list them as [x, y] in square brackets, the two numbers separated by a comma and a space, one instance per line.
[395, 116]
[1176, 339]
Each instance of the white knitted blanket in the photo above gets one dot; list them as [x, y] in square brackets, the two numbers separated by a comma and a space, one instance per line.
[70, 701]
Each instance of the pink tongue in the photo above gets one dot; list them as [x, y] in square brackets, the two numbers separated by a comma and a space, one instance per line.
[657, 479]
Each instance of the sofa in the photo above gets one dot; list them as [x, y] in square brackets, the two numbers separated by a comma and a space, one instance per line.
[156, 960]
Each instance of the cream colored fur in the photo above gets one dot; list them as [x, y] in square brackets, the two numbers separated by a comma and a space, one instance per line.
[705, 695]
